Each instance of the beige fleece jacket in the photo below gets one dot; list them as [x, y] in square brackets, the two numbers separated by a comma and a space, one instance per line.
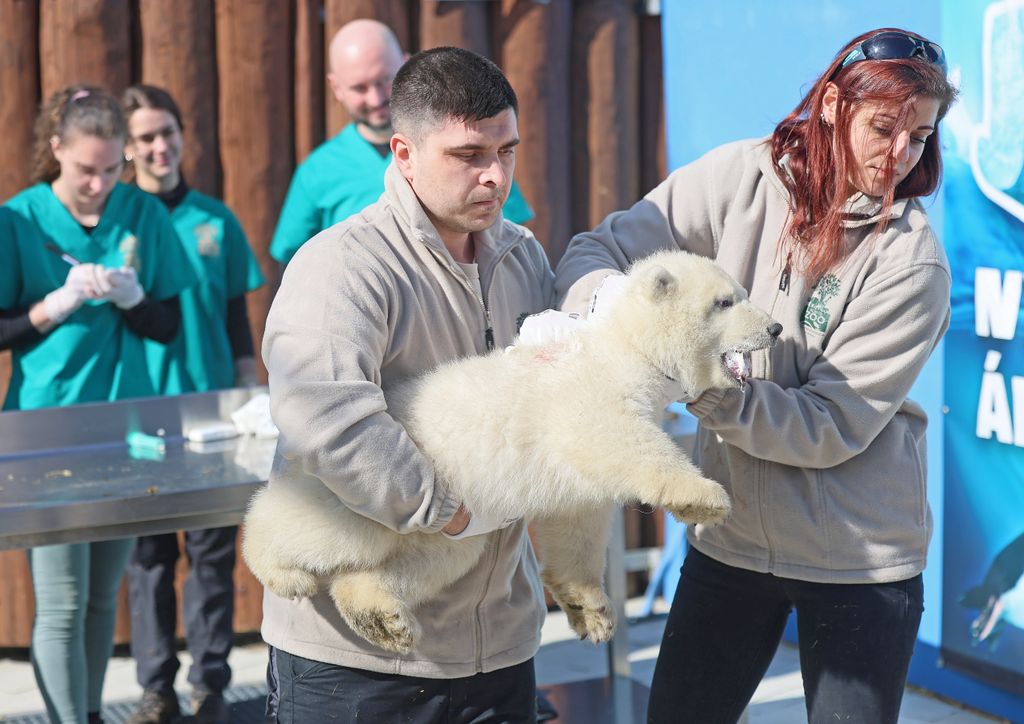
[370, 300]
[824, 456]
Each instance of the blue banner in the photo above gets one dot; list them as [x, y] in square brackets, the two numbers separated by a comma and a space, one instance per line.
[983, 546]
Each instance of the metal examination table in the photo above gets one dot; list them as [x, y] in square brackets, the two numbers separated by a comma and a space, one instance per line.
[68, 475]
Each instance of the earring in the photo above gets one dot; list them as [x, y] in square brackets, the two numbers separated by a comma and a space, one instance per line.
[823, 119]
[127, 158]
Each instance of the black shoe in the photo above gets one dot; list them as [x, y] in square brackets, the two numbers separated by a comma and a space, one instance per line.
[545, 709]
[156, 707]
[209, 707]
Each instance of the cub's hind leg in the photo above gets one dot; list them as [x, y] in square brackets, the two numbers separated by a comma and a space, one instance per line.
[374, 612]
[572, 552]
[378, 603]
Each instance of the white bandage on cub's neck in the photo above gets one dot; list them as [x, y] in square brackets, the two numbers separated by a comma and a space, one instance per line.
[554, 326]
[548, 326]
[609, 291]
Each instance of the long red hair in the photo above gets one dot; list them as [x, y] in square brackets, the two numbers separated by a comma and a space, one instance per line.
[818, 156]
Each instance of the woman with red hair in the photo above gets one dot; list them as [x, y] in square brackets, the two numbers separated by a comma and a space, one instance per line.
[821, 450]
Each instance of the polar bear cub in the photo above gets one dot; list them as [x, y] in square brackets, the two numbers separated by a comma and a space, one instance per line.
[562, 431]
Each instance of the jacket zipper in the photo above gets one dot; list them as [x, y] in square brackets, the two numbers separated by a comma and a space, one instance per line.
[784, 279]
[476, 611]
[760, 466]
[489, 342]
[488, 320]
[489, 324]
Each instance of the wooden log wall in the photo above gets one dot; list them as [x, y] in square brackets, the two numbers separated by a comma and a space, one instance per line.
[250, 79]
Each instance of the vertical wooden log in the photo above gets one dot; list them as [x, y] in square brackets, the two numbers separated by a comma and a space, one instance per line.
[605, 105]
[653, 151]
[396, 14]
[532, 42]
[255, 130]
[309, 76]
[178, 54]
[19, 78]
[461, 23]
[86, 41]
[17, 604]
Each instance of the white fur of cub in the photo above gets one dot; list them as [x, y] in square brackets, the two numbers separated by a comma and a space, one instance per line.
[557, 433]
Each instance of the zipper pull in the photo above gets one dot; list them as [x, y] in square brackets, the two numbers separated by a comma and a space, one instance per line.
[784, 279]
[489, 332]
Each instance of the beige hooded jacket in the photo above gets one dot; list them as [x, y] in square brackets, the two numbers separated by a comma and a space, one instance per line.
[824, 456]
[367, 301]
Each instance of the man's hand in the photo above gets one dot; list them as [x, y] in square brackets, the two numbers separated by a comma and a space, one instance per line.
[458, 522]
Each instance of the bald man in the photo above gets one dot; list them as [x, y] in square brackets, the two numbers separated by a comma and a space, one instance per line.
[345, 174]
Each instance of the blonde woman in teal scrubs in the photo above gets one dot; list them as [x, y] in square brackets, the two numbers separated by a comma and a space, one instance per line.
[91, 268]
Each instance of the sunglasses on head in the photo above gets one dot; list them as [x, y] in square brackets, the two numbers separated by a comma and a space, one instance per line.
[893, 45]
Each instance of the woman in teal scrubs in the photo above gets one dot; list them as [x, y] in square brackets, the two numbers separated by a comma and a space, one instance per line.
[92, 267]
[212, 351]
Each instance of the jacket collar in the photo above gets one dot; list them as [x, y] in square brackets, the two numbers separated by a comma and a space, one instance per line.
[859, 210]
[863, 210]
[491, 243]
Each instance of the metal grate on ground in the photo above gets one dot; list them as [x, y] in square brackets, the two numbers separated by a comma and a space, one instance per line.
[247, 703]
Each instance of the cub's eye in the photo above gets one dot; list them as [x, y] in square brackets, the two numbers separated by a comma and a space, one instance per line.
[723, 303]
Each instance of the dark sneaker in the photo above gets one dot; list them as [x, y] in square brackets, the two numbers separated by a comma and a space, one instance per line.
[156, 707]
[209, 707]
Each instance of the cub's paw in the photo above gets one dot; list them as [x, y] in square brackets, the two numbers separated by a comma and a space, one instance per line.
[290, 582]
[710, 508]
[393, 630]
[591, 615]
[595, 624]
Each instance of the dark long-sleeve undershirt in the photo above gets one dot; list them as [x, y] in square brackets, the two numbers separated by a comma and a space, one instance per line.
[17, 330]
[159, 321]
[239, 332]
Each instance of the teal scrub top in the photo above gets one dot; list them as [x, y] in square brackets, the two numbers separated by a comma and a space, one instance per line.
[342, 177]
[92, 356]
[199, 359]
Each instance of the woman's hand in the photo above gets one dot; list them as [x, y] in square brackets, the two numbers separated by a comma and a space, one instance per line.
[124, 288]
[83, 282]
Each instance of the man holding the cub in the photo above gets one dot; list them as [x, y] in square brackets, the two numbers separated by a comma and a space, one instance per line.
[428, 274]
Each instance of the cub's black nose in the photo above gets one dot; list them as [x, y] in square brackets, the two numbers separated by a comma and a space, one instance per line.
[775, 330]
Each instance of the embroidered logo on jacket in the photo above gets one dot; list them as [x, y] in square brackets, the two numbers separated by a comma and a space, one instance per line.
[206, 240]
[816, 314]
[129, 248]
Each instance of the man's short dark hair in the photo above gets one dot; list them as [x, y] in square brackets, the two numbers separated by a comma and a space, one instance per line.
[448, 83]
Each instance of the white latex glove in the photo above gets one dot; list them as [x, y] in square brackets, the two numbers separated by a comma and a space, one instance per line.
[608, 291]
[125, 290]
[548, 326]
[84, 281]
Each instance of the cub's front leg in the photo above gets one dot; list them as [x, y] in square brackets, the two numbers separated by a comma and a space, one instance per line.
[638, 461]
[572, 554]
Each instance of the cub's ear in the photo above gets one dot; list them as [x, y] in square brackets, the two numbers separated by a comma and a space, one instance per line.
[659, 283]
